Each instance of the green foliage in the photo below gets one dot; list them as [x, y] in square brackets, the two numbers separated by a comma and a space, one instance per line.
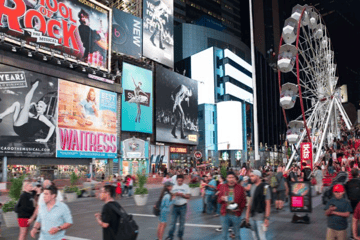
[141, 191]
[223, 171]
[16, 187]
[142, 179]
[72, 189]
[73, 179]
[9, 206]
[194, 185]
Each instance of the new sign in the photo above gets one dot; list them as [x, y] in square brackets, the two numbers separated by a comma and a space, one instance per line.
[178, 149]
[306, 154]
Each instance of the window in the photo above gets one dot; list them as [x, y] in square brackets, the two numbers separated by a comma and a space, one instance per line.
[213, 117]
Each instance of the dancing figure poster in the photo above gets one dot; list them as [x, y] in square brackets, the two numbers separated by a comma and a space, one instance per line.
[28, 113]
[137, 103]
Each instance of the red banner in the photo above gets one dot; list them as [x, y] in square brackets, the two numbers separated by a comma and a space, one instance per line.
[306, 154]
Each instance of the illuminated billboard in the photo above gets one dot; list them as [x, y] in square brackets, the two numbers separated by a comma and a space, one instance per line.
[126, 34]
[158, 31]
[230, 124]
[137, 100]
[87, 119]
[176, 108]
[28, 115]
[78, 31]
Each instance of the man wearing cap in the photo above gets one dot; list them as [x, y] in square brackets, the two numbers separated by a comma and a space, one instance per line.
[232, 199]
[338, 210]
[259, 206]
[210, 189]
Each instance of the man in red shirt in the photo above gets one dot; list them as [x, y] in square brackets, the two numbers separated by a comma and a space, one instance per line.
[232, 198]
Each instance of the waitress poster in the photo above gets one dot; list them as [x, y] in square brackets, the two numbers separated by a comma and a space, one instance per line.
[86, 122]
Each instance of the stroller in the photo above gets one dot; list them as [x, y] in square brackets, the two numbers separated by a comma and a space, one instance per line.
[341, 178]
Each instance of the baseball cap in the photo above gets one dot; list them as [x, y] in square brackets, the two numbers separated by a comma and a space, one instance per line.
[338, 188]
[168, 183]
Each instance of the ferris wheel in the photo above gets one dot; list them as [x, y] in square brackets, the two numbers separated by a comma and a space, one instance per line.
[307, 71]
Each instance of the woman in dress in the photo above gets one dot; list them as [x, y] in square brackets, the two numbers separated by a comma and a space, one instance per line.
[89, 109]
[27, 124]
[118, 188]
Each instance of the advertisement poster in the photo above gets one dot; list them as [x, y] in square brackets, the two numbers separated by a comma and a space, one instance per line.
[158, 31]
[86, 122]
[306, 154]
[126, 34]
[137, 100]
[75, 30]
[176, 108]
[300, 197]
[28, 113]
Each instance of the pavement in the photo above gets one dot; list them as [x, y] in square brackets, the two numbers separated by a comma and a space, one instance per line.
[198, 226]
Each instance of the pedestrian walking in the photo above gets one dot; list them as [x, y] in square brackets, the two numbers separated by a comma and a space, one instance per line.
[318, 174]
[203, 182]
[280, 189]
[54, 217]
[108, 219]
[25, 209]
[210, 197]
[118, 188]
[166, 201]
[181, 191]
[233, 200]
[352, 189]
[355, 222]
[338, 210]
[259, 206]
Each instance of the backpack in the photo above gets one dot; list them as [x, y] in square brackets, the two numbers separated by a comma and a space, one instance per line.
[273, 181]
[353, 190]
[128, 229]
[156, 208]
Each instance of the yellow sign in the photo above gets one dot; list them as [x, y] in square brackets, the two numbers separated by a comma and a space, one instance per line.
[192, 138]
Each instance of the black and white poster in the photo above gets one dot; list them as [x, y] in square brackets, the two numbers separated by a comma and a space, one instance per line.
[126, 34]
[28, 113]
[176, 108]
[158, 31]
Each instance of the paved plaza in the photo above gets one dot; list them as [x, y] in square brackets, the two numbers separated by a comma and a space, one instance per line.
[198, 226]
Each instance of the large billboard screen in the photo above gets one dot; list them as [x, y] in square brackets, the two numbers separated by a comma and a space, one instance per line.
[176, 108]
[28, 115]
[126, 34]
[86, 122]
[76, 30]
[137, 100]
[158, 31]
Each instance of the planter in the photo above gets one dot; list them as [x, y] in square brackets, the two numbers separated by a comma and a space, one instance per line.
[10, 219]
[140, 200]
[71, 197]
[195, 192]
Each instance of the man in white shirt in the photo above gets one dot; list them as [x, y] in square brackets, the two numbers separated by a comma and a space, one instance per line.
[59, 198]
[181, 191]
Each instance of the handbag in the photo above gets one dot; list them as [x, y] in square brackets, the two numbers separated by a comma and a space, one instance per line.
[313, 181]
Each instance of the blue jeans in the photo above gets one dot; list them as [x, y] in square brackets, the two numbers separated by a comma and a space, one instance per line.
[209, 203]
[178, 211]
[257, 230]
[218, 208]
[225, 222]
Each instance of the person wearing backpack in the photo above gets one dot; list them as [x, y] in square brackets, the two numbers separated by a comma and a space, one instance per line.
[108, 219]
[280, 189]
[165, 201]
[306, 172]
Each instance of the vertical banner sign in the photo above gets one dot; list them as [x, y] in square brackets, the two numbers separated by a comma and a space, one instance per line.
[158, 31]
[306, 154]
[86, 122]
[126, 34]
[28, 114]
[137, 100]
[76, 30]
